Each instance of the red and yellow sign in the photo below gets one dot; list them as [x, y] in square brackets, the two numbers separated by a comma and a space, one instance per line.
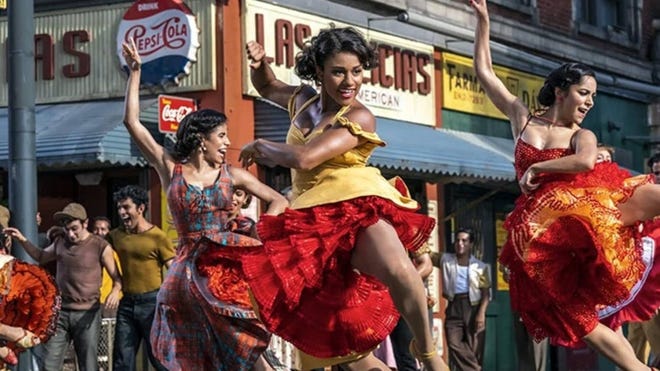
[171, 110]
[463, 92]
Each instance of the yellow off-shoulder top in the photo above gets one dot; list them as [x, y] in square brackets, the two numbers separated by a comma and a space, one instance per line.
[343, 177]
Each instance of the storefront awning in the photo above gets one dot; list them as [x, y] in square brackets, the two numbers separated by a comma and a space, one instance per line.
[79, 135]
[435, 154]
[442, 152]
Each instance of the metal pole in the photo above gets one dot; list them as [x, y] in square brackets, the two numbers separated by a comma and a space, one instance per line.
[22, 142]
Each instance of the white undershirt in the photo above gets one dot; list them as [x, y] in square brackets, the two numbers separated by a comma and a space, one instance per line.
[462, 280]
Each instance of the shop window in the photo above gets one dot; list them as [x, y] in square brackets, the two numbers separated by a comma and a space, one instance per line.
[613, 20]
[522, 6]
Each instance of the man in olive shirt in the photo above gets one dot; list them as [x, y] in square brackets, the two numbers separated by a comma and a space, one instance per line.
[143, 250]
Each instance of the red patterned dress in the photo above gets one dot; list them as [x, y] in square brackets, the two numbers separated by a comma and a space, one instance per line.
[572, 261]
[29, 298]
[306, 288]
[204, 318]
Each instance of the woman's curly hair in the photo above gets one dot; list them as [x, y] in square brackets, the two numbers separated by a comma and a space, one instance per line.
[329, 42]
[195, 126]
[562, 77]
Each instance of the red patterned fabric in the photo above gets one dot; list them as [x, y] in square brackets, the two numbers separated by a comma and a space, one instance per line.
[204, 319]
[568, 253]
[305, 286]
[30, 300]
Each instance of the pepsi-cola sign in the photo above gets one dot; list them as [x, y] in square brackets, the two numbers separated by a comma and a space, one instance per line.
[166, 35]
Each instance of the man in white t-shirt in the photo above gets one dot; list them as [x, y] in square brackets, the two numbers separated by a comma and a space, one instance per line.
[466, 283]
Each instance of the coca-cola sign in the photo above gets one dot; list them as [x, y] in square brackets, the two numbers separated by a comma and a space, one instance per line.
[166, 35]
[171, 110]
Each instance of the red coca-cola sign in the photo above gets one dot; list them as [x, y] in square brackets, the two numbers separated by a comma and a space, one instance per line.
[171, 110]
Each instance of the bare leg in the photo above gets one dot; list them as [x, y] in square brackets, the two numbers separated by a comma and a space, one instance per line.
[615, 348]
[379, 253]
[622, 339]
[644, 204]
[368, 363]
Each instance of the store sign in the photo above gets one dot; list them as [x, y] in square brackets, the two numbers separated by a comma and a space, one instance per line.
[403, 82]
[166, 35]
[171, 110]
[463, 92]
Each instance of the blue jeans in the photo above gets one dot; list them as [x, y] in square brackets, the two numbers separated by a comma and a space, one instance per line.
[134, 318]
[84, 328]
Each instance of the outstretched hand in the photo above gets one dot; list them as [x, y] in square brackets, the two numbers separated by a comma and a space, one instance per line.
[480, 7]
[249, 155]
[256, 54]
[131, 55]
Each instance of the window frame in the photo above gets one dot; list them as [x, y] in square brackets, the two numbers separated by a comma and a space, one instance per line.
[626, 35]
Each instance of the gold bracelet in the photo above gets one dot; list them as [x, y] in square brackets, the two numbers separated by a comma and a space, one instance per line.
[425, 249]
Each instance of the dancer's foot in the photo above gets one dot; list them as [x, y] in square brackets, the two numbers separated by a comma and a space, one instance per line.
[21, 337]
[431, 360]
[8, 356]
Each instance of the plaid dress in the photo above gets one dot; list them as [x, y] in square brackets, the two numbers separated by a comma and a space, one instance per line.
[204, 318]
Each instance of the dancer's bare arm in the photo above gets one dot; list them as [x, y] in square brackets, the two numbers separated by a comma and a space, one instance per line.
[152, 151]
[334, 141]
[495, 89]
[584, 159]
[276, 202]
[264, 80]
[110, 265]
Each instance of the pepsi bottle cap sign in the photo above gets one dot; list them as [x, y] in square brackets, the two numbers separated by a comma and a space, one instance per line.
[167, 37]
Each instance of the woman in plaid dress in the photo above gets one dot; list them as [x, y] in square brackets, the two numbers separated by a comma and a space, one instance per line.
[204, 319]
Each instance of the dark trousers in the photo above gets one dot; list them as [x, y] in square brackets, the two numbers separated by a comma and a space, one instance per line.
[83, 327]
[466, 348]
[134, 318]
[401, 337]
[532, 356]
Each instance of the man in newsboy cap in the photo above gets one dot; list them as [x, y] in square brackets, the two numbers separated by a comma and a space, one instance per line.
[80, 257]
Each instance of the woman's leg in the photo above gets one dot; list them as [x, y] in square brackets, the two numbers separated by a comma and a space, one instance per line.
[368, 363]
[644, 204]
[615, 348]
[379, 253]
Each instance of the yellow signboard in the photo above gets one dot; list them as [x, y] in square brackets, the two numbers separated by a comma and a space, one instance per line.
[500, 239]
[3, 4]
[463, 92]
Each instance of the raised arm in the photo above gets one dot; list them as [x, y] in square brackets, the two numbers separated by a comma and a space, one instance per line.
[152, 151]
[263, 78]
[334, 141]
[495, 89]
[41, 256]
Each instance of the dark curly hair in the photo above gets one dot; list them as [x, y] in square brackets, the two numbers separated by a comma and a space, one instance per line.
[139, 195]
[329, 42]
[562, 77]
[653, 159]
[192, 128]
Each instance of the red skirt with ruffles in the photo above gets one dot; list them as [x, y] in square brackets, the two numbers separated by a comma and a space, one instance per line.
[30, 300]
[570, 256]
[306, 289]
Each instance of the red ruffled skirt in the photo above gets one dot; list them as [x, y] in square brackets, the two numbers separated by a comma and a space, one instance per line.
[30, 299]
[570, 256]
[305, 286]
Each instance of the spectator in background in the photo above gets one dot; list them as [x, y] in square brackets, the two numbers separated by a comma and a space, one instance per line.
[80, 257]
[101, 227]
[465, 285]
[605, 153]
[143, 250]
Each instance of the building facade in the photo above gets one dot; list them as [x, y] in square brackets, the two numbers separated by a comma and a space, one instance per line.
[444, 136]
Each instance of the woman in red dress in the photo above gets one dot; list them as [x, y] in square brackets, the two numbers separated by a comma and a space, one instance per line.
[574, 246]
[29, 300]
[334, 272]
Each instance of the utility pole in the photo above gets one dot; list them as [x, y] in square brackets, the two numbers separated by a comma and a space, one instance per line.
[22, 141]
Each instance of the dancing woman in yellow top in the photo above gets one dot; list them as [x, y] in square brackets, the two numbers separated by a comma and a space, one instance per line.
[330, 263]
